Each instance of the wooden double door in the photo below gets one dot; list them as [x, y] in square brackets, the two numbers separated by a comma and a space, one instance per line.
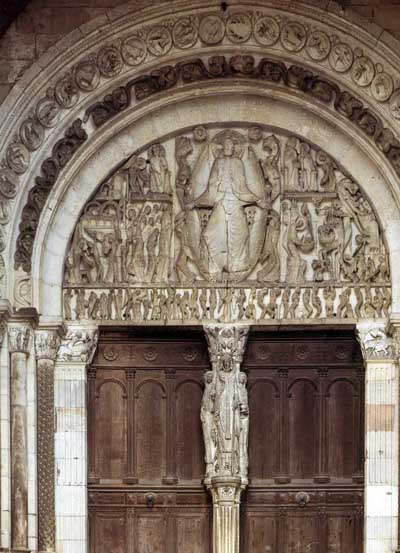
[146, 456]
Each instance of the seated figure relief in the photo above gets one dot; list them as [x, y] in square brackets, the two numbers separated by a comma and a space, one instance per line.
[230, 224]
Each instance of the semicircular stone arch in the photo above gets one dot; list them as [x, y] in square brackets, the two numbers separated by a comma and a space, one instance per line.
[272, 117]
[333, 70]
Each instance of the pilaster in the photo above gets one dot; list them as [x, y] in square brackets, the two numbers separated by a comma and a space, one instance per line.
[225, 420]
[71, 456]
[381, 437]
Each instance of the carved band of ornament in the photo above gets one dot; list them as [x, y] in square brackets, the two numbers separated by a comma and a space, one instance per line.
[63, 151]
[78, 346]
[191, 71]
[243, 26]
[210, 304]
[19, 338]
[46, 344]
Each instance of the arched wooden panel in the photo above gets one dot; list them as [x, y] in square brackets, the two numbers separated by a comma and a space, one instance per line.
[150, 431]
[189, 446]
[303, 429]
[341, 429]
[264, 430]
[111, 430]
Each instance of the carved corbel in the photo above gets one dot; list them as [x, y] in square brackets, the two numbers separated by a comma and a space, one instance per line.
[79, 345]
[376, 342]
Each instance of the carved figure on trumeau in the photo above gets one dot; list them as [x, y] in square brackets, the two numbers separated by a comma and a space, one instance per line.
[207, 417]
[225, 397]
[227, 224]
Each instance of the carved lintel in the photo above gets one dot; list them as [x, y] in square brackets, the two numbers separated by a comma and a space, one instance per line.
[19, 336]
[375, 342]
[47, 343]
[224, 409]
[79, 345]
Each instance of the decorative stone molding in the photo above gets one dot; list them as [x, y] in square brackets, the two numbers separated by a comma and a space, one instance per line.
[375, 342]
[78, 346]
[275, 73]
[63, 151]
[19, 336]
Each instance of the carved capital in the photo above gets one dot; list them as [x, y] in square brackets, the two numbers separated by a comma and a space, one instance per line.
[19, 336]
[47, 343]
[79, 345]
[226, 344]
[375, 342]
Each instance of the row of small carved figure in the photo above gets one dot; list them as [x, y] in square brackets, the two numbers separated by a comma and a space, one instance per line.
[226, 304]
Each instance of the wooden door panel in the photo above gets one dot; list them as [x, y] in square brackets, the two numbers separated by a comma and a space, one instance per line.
[109, 532]
[341, 533]
[306, 406]
[259, 533]
[111, 429]
[265, 409]
[302, 533]
[150, 431]
[145, 440]
[151, 535]
[192, 534]
[189, 453]
[341, 429]
[303, 430]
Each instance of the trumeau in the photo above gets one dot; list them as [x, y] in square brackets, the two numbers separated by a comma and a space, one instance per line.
[227, 224]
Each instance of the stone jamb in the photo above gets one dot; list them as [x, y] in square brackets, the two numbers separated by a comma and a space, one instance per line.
[71, 437]
[381, 504]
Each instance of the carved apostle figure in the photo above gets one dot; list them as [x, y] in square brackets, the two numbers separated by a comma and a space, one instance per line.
[226, 234]
[243, 425]
[208, 422]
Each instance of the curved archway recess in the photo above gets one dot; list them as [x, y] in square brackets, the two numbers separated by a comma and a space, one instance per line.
[218, 107]
[88, 78]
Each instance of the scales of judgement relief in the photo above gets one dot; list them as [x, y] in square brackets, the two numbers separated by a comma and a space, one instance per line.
[227, 224]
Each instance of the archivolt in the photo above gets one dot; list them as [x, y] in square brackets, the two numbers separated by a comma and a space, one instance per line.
[101, 62]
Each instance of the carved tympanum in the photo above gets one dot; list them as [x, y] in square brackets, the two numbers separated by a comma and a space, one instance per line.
[226, 225]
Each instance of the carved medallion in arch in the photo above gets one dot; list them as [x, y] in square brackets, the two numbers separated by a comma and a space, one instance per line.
[227, 224]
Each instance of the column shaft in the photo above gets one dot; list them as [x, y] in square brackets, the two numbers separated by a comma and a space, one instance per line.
[19, 340]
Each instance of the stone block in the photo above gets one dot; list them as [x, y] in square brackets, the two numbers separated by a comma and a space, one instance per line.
[55, 20]
[71, 528]
[44, 42]
[71, 500]
[380, 418]
[11, 71]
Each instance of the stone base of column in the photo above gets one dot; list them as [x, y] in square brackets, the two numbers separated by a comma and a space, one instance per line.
[226, 492]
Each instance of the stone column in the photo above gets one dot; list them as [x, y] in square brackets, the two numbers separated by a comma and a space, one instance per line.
[47, 342]
[225, 420]
[381, 438]
[74, 355]
[19, 344]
